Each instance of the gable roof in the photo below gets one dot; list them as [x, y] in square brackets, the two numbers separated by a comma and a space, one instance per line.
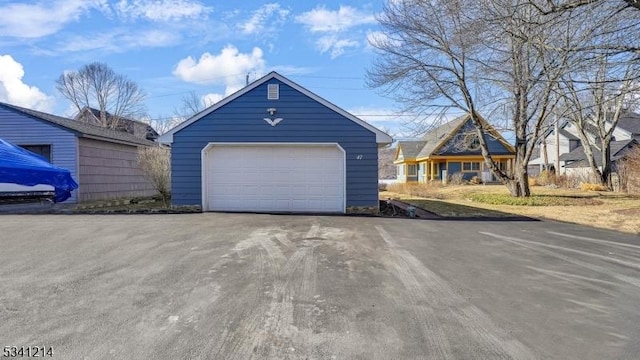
[80, 128]
[435, 138]
[410, 149]
[122, 123]
[630, 122]
[438, 137]
[561, 131]
[381, 137]
[617, 151]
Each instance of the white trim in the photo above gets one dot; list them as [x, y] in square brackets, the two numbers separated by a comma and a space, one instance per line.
[381, 137]
[205, 149]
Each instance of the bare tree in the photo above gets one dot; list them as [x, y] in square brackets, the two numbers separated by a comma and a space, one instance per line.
[386, 167]
[489, 56]
[96, 85]
[595, 99]
[155, 163]
[191, 104]
[555, 6]
[163, 124]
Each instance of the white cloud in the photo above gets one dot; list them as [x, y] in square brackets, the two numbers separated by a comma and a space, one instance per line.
[161, 10]
[14, 91]
[118, 40]
[334, 45]
[377, 38]
[264, 20]
[24, 20]
[210, 99]
[333, 26]
[322, 20]
[229, 68]
[289, 70]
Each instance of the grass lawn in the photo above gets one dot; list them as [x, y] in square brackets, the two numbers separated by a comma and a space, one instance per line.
[600, 209]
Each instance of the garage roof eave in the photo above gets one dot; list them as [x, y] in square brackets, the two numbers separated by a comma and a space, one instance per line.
[382, 138]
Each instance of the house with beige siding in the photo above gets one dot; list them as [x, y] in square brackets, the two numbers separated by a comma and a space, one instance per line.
[102, 161]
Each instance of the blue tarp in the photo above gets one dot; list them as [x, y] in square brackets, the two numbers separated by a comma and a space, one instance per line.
[19, 166]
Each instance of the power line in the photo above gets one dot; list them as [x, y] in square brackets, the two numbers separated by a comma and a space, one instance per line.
[358, 115]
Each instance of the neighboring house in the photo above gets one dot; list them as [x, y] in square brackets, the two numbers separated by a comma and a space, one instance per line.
[576, 162]
[275, 146]
[450, 149]
[568, 141]
[134, 127]
[102, 161]
[572, 157]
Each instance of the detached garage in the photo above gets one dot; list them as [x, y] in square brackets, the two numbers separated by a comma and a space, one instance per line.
[274, 146]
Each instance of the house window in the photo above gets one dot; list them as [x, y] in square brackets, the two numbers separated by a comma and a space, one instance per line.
[42, 150]
[412, 170]
[273, 92]
[401, 170]
[470, 166]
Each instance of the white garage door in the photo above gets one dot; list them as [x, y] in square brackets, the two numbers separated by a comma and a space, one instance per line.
[274, 177]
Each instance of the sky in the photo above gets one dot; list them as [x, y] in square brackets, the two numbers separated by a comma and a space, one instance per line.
[174, 47]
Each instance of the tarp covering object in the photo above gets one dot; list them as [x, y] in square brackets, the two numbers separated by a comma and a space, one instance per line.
[23, 167]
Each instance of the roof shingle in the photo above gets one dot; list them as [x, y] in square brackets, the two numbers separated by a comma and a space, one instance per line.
[81, 128]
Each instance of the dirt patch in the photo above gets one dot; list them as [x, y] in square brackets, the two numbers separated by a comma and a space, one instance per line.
[628, 212]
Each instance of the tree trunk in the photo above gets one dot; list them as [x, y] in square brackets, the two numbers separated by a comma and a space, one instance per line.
[519, 185]
[605, 174]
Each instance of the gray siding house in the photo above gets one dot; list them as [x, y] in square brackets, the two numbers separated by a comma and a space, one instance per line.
[275, 146]
[102, 161]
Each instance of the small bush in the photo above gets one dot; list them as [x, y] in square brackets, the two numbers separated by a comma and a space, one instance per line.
[456, 179]
[155, 163]
[546, 178]
[592, 187]
[475, 181]
[533, 181]
[382, 186]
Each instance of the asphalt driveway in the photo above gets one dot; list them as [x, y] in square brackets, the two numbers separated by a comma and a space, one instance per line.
[241, 286]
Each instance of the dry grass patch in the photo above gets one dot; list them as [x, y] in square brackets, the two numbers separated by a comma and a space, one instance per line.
[607, 210]
[535, 200]
[424, 190]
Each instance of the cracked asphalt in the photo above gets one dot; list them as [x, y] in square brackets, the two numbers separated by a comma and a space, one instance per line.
[245, 286]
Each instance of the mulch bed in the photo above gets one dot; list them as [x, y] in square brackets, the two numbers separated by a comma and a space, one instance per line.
[387, 209]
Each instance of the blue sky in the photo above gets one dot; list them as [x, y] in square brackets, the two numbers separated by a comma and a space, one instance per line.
[172, 47]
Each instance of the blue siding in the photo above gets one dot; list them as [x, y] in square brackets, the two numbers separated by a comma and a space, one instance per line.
[455, 145]
[305, 120]
[22, 129]
[454, 167]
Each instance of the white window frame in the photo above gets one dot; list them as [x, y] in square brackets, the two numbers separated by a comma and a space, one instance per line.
[415, 170]
[401, 170]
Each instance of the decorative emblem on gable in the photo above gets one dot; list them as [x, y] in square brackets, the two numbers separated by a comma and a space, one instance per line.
[273, 121]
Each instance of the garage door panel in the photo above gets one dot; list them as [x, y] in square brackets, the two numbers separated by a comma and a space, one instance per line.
[274, 177]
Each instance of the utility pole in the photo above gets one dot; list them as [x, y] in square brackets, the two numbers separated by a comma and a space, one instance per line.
[557, 135]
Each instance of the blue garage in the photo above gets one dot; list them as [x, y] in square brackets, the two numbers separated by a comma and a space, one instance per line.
[275, 146]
